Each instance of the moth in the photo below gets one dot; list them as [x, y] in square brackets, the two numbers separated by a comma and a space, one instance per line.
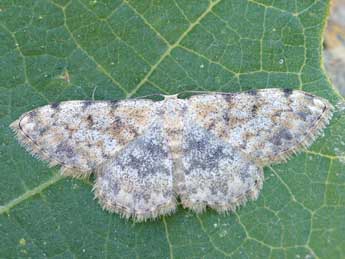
[207, 151]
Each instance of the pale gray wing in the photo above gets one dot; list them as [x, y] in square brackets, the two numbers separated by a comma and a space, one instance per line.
[138, 182]
[80, 135]
[268, 125]
[215, 174]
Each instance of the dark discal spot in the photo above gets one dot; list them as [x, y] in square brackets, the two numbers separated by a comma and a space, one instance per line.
[252, 92]
[254, 110]
[287, 92]
[226, 116]
[55, 105]
[283, 134]
[89, 120]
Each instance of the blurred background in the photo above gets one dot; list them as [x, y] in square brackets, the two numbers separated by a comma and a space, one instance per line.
[334, 45]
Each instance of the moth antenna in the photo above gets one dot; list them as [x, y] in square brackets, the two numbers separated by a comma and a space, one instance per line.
[93, 93]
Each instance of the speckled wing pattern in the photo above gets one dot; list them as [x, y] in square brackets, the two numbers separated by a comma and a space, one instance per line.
[138, 181]
[81, 135]
[208, 150]
[267, 125]
[216, 174]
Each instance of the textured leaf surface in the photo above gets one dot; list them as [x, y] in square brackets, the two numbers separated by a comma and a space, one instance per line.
[67, 49]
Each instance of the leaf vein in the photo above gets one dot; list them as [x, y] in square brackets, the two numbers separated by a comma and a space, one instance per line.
[173, 46]
[28, 194]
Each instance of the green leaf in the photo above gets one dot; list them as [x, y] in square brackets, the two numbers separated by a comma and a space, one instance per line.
[52, 50]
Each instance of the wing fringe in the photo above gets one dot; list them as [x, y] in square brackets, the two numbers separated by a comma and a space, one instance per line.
[317, 128]
[137, 216]
[232, 206]
[29, 145]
